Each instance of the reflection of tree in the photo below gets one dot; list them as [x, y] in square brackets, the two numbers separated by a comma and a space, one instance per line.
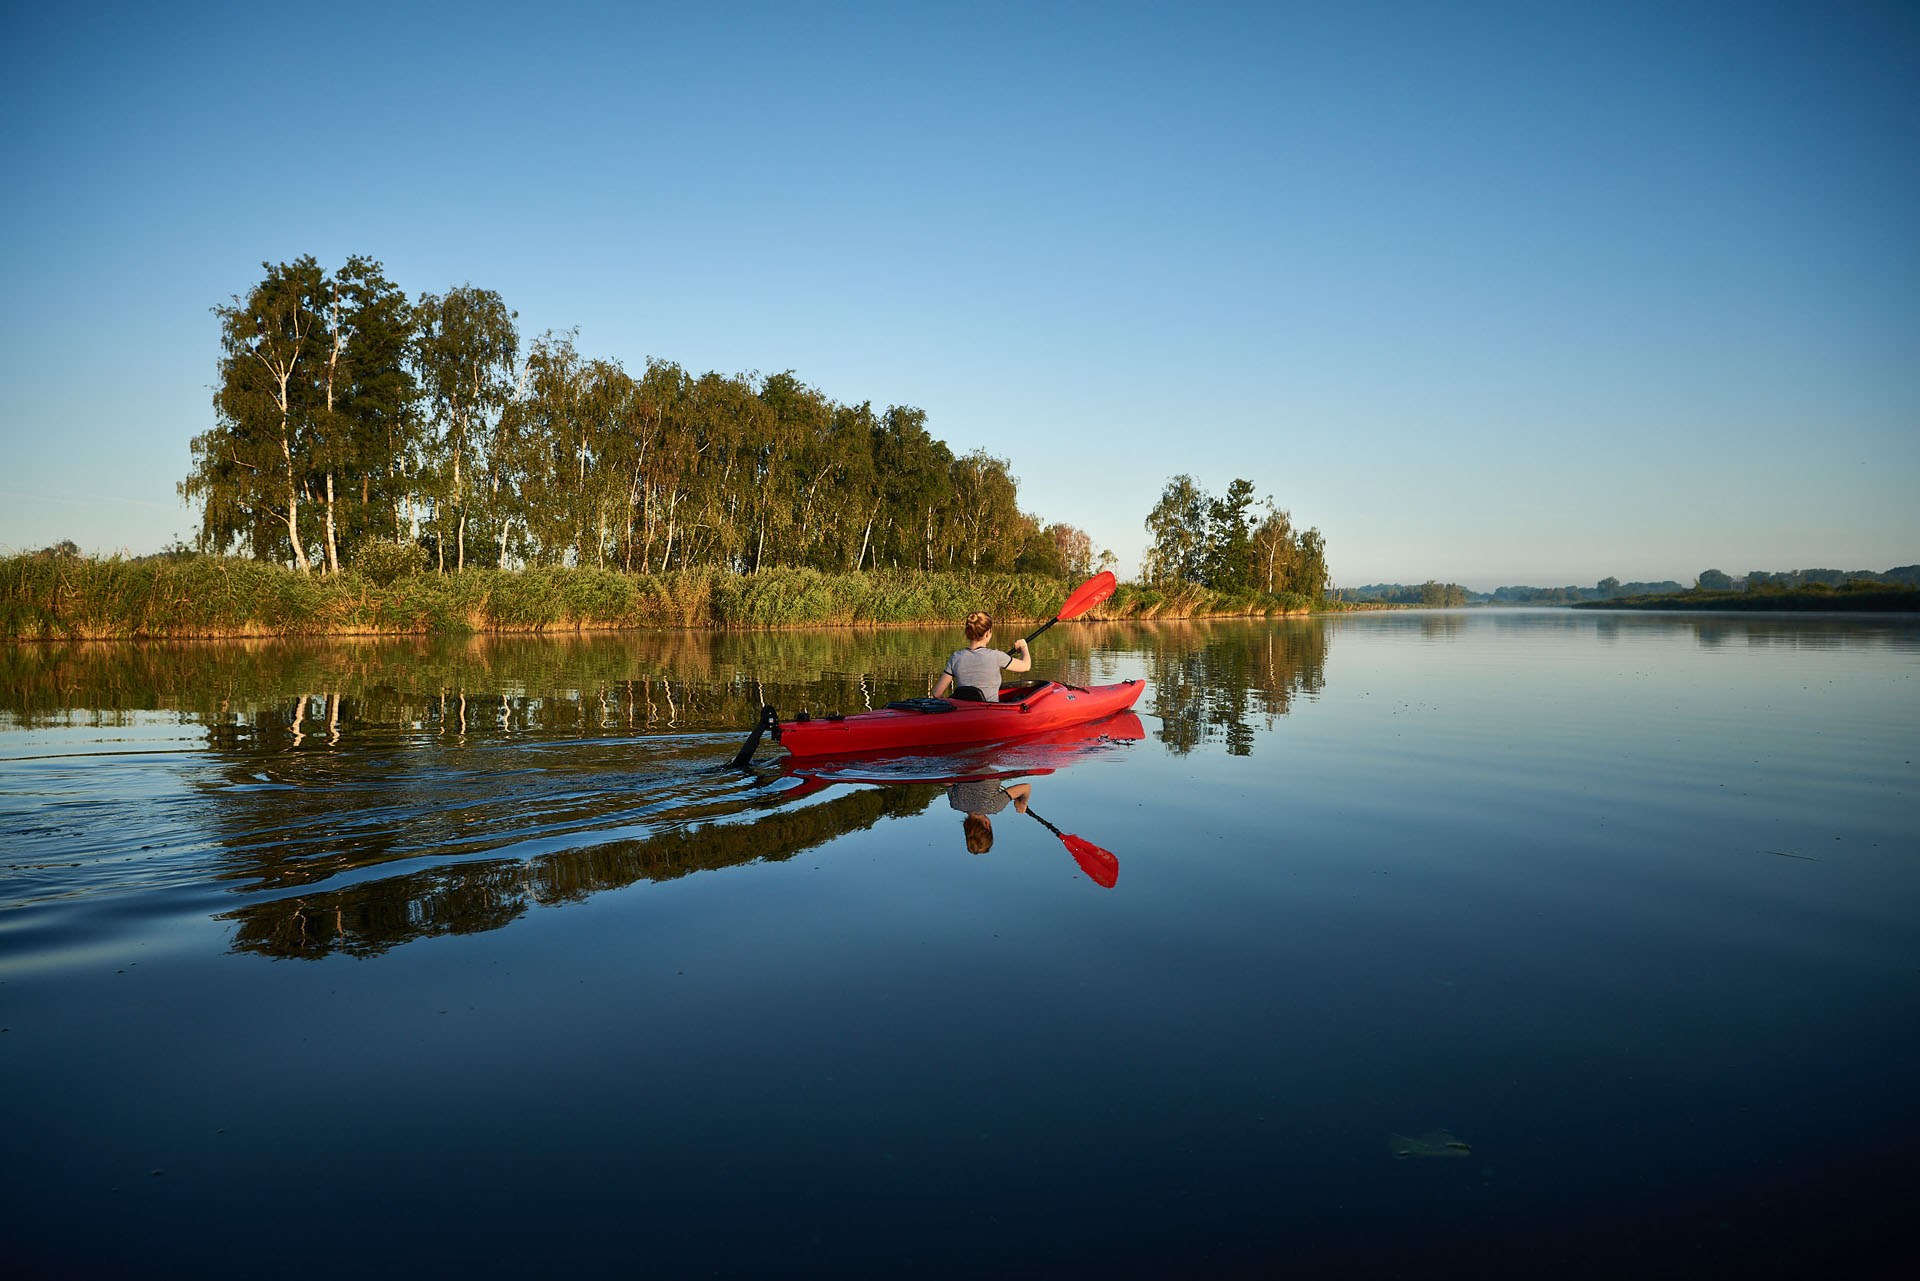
[467, 898]
[1227, 675]
[636, 680]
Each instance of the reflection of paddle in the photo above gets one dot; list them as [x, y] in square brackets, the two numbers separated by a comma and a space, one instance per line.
[1098, 864]
[1084, 598]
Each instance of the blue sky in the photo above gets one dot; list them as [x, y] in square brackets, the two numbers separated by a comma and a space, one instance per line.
[1496, 293]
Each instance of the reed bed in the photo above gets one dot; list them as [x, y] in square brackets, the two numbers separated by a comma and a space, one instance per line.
[81, 598]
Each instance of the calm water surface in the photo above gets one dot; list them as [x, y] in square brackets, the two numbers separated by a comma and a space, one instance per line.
[1505, 940]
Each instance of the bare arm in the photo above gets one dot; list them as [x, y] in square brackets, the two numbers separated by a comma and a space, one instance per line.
[941, 686]
[1019, 792]
[1022, 661]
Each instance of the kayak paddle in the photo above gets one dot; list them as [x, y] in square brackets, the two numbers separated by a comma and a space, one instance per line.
[1099, 865]
[1084, 598]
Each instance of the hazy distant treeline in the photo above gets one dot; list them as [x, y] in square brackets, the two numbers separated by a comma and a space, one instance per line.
[349, 417]
[1452, 594]
[1429, 593]
[1605, 589]
[1713, 580]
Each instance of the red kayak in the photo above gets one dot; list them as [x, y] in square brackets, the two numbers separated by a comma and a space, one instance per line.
[1029, 707]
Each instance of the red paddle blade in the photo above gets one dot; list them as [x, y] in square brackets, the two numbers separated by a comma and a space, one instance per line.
[1102, 867]
[1087, 595]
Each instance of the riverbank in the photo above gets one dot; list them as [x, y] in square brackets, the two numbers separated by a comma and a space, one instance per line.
[1860, 596]
[78, 598]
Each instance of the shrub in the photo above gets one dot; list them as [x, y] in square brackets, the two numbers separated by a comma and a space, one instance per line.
[381, 562]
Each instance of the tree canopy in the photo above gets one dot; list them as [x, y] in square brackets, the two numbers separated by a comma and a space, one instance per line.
[1216, 542]
[347, 417]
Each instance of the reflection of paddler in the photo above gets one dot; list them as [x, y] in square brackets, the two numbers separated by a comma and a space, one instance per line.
[980, 799]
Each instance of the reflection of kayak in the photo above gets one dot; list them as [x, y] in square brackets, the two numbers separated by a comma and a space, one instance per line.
[1027, 757]
[1012, 758]
[1026, 709]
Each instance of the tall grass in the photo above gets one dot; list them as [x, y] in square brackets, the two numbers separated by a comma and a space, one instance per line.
[83, 598]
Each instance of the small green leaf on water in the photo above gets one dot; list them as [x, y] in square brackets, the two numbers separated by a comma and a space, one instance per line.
[1434, 1143]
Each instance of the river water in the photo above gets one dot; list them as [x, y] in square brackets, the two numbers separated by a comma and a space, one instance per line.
[1393, 943]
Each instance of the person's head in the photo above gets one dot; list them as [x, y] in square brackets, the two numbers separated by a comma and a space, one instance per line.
[979, 830]
[979, 627]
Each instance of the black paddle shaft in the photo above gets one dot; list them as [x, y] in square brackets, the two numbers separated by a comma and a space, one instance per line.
[769, 720]
[1043, 627]
[1050, 827]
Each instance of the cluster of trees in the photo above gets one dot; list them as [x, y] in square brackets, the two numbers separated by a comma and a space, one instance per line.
[1429, 593]
[347, 415]
[1218, 543]
[1606, 589]
[1453, 594]
[1713, 580]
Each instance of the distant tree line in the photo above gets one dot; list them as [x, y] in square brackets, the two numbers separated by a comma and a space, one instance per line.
[1713, 580]
[1429, 593]
[1606, 589]
[350, 420]
[1222, 543]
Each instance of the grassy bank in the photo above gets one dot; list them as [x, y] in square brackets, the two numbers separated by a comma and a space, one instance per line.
[46, 598]
[1858, 595]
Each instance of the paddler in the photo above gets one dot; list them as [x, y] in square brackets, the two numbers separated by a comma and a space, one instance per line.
[973, 673]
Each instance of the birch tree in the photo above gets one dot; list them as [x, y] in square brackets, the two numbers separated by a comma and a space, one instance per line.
[251, 470]
[466, 354]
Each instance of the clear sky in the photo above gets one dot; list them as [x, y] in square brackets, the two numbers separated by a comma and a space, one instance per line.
[1496, 293]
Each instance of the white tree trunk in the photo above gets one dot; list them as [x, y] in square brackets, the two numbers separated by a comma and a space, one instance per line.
[333, 552]
[293, 501]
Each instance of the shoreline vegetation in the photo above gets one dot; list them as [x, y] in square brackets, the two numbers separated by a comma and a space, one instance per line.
[1860, 595]
[191, 595]
[396, 466]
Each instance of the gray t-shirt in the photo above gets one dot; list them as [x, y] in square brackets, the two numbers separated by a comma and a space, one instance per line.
[979, 668]
[979, 796]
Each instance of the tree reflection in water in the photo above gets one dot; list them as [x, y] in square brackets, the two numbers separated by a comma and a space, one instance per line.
[472, 897]
[1214, 687]
[355, 795]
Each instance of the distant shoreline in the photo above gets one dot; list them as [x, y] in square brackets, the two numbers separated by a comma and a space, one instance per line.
[1798, 601]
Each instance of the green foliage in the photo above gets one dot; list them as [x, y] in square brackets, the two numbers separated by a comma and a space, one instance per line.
[1605, 589]
[82, 598]
[1198, 538]
[1790, 579]
[1178, 525]
[1229, 546]
[1714, 580]
[1430, 594]
[1854, 595]
[346, 416]
[380, 563]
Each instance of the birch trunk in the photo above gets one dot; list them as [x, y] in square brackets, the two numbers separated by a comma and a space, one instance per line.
[333, 370]
[293, 500]
[460, 529]
[333, 551]
[666, 557]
